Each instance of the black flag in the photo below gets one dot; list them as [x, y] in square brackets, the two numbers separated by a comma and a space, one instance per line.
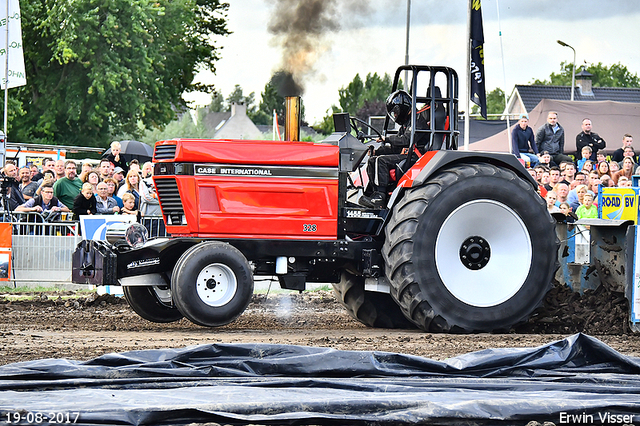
[478, 94]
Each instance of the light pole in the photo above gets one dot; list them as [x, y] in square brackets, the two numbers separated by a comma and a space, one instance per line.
[573, 73]
[406, 55]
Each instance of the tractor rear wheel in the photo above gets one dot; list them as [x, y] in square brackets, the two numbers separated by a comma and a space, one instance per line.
[473, 249]
[212, 284]
[370, 308]
[152, 303]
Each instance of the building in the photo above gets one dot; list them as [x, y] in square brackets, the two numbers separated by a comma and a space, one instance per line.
[238, 125]
[525, 98]
[610, 119]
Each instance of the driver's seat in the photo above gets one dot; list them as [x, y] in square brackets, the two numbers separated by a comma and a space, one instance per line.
[440, 117]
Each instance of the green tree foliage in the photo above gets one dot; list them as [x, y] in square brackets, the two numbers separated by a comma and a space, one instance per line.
[238, 97]
[182, 127]
[616, 75]
[495, 104]
[272, 100]
[326, 126]
[360, 99]
[99, 68]
[373, 89]
[217, 102]
[352, 96]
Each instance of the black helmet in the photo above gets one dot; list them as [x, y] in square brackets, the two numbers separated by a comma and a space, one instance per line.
[399, 106]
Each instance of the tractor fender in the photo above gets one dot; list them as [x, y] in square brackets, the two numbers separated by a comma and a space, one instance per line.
[155, 256]
[427, 165]
[433, 161]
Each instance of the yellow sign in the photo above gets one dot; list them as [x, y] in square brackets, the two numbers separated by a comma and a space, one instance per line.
[619, 204]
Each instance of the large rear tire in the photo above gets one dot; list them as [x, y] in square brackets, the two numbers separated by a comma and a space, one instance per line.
[212, 284]
[152, 303]
[370, 308]
[473, 249]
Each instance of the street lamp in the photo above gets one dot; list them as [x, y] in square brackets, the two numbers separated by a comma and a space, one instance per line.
[406, 55]
[573, 73]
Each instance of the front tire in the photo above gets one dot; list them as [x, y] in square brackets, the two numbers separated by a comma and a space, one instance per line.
[152, 303]
[370, 308]
[212, 284]
[473, 249]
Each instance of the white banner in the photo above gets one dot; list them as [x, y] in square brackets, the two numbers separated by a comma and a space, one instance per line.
[94, 227]
[17, 76]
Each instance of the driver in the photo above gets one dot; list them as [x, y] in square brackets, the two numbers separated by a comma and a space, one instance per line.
[44, 202]
[386, 157]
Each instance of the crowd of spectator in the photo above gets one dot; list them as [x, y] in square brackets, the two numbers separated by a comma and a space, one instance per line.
[57, 187]
[570, 185]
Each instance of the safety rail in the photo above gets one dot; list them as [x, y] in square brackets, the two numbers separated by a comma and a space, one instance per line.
[42, 247]
[34, 223]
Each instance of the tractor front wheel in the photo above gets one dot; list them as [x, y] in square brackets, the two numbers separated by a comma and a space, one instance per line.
[212, 284]
[473, 249]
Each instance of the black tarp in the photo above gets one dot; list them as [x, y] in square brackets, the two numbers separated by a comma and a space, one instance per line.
[283, 384]
[481, 129]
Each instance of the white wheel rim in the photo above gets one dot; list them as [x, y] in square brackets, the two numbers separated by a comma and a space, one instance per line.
[510, 253]
[216, 284]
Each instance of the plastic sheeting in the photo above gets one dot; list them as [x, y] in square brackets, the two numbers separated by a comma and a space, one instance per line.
[281, 384]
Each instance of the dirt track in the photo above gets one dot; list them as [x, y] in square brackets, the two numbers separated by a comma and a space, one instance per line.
[53, 327]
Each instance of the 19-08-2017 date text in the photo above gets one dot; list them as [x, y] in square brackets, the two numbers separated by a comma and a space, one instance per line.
[23, 417]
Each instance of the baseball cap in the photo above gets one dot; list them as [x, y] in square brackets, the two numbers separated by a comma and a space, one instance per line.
[118, 170]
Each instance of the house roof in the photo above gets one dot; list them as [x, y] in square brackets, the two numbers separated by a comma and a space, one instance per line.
[532, 95]
[213, 119]
[238, 126]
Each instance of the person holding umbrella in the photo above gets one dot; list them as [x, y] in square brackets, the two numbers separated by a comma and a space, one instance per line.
[115, 157]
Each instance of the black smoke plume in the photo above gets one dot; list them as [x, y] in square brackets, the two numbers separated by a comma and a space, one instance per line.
[286, 84]
[299, 27]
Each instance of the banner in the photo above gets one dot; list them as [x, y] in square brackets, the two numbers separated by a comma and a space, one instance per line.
[17, 76]
[478, 94]
[5, 252]
[94, 227]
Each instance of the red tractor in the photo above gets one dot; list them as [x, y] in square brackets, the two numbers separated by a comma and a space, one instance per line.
[463, 244]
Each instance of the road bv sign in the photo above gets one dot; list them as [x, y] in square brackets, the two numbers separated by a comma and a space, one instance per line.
[619, 204]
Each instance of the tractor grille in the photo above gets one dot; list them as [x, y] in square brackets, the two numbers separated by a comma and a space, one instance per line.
[164, 152]
[169, 197]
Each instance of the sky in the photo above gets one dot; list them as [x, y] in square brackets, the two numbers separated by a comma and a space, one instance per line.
[360, 36]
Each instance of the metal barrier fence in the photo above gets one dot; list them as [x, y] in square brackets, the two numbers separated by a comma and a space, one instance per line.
[42, 249]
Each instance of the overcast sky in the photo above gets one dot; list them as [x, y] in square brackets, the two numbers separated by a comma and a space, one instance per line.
[359, 36]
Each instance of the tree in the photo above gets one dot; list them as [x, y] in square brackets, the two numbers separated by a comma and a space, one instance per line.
[182, 127]
[377, 88]
[237, 97]
[360, 99]
[272, 100]
[326, 126]
[351, 97]
[95, 69]
[616, 75]
[495, 103]
[217, 102]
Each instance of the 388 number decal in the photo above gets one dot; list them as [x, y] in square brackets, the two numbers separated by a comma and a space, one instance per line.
[312, 227]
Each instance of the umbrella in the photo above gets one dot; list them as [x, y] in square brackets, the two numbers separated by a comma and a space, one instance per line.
[133, 149]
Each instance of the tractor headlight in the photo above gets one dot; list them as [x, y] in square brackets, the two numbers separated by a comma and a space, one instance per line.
[136, 235]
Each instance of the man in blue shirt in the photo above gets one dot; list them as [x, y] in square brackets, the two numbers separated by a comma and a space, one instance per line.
[522, 138]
